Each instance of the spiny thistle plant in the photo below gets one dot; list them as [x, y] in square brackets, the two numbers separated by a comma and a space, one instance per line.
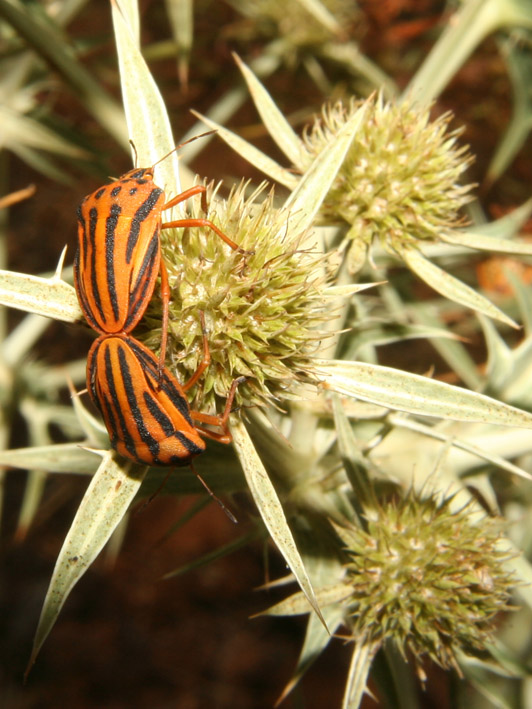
[400, 181]
[426, 579]
[374, 484]
[265, 308]
[418, 574]
[397, 187]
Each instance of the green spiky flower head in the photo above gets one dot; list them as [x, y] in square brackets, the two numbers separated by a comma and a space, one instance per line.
[399, 182]
[262, 305]
[427, 578]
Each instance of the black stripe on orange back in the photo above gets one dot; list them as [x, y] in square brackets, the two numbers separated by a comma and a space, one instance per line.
[116, 191]
[111, 421]
[75, 267]
[158, 414]
[87, 310]
[95, 293]
[99, 193]
[146, 357]
[110, 261]
[138, 174]
[91, 372]
[139, 291]
[140, 215]
[83, 244]
[133, 405]
[80, 259]
[191, 447]
[126, 436]
[151, 365]
[176, 397]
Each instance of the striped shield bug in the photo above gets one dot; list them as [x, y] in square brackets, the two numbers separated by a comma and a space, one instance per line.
[148, 416]
[119, 251]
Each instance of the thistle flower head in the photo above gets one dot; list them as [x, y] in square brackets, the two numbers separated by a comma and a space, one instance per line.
[262, 305]
[400, 179]
[427, 578]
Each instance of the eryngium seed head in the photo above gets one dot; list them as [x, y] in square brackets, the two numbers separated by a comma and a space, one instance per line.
[399, 182]
[426, 578]
[262, 308]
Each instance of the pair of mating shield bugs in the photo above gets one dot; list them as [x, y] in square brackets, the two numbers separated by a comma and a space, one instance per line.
[117, 263]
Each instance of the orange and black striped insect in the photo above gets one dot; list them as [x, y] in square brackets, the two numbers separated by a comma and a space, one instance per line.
[148, 416]
[119, 251]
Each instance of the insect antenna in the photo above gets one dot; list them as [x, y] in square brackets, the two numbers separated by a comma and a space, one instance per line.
[134, 148]
[214, 496]
[174, 150]
[182, 145]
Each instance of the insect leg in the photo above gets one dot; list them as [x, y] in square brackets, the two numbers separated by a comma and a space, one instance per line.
[206, 359]
[182, 223]
[219, 421]
[165, 297]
